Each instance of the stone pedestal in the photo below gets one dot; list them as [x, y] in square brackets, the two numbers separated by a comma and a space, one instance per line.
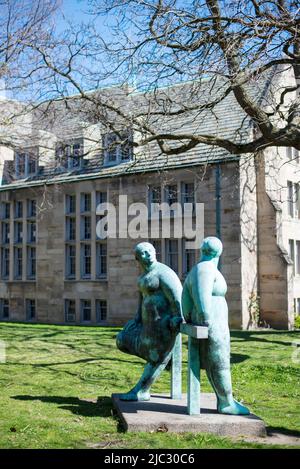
[162, 413]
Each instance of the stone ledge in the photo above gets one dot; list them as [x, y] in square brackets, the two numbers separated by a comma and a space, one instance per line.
[197, 332]
[162, 413]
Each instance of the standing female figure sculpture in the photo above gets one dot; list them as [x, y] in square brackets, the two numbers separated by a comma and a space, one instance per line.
[151, 334]
[204, 303]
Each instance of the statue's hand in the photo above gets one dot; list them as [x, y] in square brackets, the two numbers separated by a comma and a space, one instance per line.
[175, 323]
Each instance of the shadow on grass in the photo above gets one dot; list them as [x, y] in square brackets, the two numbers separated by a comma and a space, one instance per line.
[257, 336]
[283, 431]
[102, 407]
[238, 357]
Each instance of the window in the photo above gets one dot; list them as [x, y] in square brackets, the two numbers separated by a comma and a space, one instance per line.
[101, 260]
[31, 232]
[31, 164]
[70, 311]
[188, 193]
[5, 263]
[19, 209]
[293, 199]
[31, 262]
[18, 232]
[20, 162]
[30, 309]
[74, 153]
[70, 261]
[172, 254]
[188, 258]
[101, 311]
[157, 245]
[293, 154]
[298, 257]
[117, 147]
[70, 155]
[171, 194]
[71, 228]
[5, 233]
[4, 308]
[290, 199]
[86, 228]
[86, 310]
[292, 253]
[70, 203]
[101, 198]
[155, 195]
[85, 202]
[18, 263]
[6, 210]
[25, 164]
[31, 208]
[86, 260]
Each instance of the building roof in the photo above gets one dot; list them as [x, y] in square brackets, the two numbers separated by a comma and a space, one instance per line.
[226, 119]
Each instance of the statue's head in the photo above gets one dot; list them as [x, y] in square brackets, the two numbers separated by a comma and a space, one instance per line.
[211, 247]
[145, 254]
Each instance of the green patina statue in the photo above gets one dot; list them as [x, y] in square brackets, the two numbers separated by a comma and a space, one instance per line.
[204, 303]
[151, 334]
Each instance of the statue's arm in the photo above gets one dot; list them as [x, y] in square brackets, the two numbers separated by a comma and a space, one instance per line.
[138, 315]
[172, 289]
[202, 292]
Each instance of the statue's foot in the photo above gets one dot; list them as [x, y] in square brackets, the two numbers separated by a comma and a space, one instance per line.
[233, 408]
[135, 396]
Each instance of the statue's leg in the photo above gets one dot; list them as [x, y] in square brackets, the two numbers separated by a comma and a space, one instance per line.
[220, 379]
[141, 391]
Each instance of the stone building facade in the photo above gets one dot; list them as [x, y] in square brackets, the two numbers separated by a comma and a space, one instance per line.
[55, 269]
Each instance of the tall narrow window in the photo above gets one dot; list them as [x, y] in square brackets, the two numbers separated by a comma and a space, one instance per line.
[86, 260]
[31, 164]
[292, 254]
[70, 261]
[71, 204]
[30, 309]
[171, 194]
[86, 310]
[101, 260]
[4, 308]
[20, 162]
[18, 263]
[18, 209]
[298, 257]
[172, 253]
[31, 232]
[5, 263]
[188, 193]
[290, 199]
[31, 208]
[71, 228]
[5, 233]
[6, 210]
[70, 311]
[31, 262]
[86, 228]
[188, 258]
[157, 245]
[101, 311]
[85, 202]
[18, 232]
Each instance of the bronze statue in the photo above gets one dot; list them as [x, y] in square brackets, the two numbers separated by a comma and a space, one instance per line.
[152, 333]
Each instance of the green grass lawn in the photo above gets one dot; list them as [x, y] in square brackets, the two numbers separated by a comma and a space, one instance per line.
[51, 373]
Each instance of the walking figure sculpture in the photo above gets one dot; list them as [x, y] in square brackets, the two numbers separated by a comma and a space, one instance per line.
[204, 303]
[151, 334]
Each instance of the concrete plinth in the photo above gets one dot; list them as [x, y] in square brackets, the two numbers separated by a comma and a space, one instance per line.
[164, 414]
